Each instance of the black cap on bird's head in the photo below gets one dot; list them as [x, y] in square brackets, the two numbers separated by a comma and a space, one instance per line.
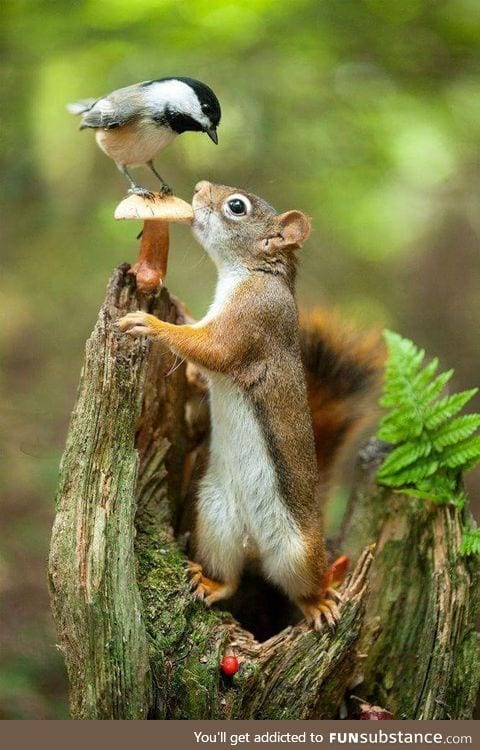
[209, 105]
[197, 109]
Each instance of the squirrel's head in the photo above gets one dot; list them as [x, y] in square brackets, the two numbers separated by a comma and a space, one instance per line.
[237, 228]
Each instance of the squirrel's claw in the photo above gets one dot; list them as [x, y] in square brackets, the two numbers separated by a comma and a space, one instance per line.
[205, 589]
[136, 324]
[194, 570]
[331, 612]
[326, 607]
[320, 611]
[335, 595]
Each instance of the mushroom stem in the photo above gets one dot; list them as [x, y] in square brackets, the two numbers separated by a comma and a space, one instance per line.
[157, 212]
[151, 266]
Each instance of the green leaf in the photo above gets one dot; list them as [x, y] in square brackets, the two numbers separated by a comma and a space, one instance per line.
[404, 455]
[412, 474]
[470, 544]
[442, 487]
[425, 375]
[456, 456]
[400, 425]
[434, 388]
[447, 407]
[452, 432]
[432, 444]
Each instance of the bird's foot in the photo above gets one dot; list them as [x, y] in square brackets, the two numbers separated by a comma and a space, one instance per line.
[142, 192]
[165, 190]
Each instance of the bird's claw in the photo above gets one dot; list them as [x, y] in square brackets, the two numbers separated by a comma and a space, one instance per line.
[142, 192]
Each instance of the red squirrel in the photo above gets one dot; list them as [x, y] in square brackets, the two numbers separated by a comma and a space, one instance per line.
[272, 440]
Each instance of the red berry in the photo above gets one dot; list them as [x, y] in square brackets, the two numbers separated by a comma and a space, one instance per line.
[229, 665]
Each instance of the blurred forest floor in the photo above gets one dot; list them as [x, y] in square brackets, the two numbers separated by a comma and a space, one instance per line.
[364, 114]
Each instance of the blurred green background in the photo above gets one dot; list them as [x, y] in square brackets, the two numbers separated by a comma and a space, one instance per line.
[363, 113]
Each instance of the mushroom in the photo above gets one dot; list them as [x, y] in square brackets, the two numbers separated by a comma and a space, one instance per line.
[156, 212]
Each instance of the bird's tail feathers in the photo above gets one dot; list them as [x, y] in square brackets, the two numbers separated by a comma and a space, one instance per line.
[80, 107]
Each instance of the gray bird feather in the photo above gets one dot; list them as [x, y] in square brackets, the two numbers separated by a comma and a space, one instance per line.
[111, 111]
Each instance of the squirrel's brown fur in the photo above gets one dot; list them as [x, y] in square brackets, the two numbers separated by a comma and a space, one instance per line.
[344, 372]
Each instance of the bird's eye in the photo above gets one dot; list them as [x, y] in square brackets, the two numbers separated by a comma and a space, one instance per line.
[205, 107]
[237, 206]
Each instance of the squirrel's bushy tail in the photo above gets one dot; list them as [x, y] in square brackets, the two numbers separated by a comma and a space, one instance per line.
[344, 374]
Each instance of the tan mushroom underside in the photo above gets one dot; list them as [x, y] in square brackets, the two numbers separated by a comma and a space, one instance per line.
[162, 208]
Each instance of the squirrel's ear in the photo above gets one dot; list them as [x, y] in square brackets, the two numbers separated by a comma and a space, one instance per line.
[293, 230]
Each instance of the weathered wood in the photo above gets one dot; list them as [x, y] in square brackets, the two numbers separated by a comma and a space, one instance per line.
[419, 634]
[136, 643]
[96, 600]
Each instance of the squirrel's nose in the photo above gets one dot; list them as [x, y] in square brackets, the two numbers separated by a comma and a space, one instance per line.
[201, 187]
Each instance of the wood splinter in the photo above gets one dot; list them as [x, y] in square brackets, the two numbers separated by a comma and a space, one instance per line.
[157, 213]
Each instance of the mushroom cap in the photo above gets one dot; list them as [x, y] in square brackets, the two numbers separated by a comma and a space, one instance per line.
[159, 207]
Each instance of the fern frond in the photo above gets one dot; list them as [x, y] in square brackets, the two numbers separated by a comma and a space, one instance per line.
[432, 444]
[456, 456]
[406, 454]
[433, 389]
[412, 474]
[425, 375]
[447, 407]
[470, 542]
[401, 424]
[456, 430]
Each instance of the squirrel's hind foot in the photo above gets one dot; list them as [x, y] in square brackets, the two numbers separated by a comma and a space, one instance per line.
[320, 611]
[326, 605]
[205, 589]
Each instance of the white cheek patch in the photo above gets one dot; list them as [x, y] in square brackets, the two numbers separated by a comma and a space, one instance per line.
[212, 234]
[178, 95]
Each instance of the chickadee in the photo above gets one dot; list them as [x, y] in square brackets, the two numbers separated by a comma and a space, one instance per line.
[135, 123]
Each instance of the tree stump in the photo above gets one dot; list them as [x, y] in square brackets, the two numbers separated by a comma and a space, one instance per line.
[136, 643]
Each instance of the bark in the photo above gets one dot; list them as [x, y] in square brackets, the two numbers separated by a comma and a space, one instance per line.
[135, 642]
[419, 634]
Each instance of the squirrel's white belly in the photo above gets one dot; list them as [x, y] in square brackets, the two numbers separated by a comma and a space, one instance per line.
[138, 143]
[239, 500]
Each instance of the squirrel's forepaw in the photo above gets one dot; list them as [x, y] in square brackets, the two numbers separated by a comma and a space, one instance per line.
[205, 589]
[136, 324]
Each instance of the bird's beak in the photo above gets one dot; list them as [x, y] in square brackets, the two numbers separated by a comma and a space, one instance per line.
[212, 133]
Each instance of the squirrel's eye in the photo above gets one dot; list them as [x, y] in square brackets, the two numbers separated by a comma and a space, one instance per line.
[237, 207]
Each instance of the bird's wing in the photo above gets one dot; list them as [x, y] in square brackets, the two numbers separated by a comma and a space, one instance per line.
[114, 110]
[103, 114]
